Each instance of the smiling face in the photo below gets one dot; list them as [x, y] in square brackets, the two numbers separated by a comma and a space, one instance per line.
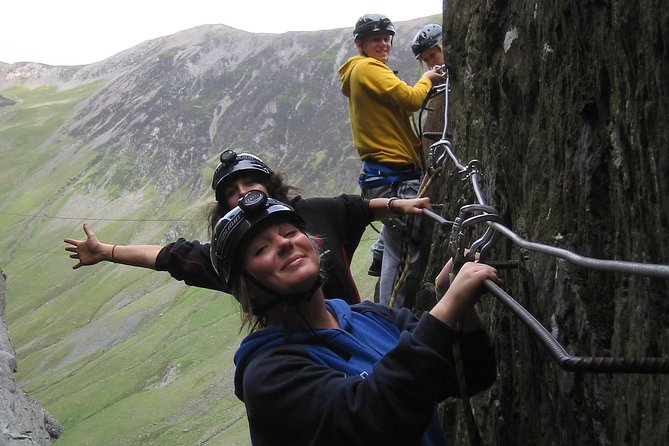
[283, 258]
[378, 45]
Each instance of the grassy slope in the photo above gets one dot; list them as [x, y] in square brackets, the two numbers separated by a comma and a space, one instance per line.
[118, 355]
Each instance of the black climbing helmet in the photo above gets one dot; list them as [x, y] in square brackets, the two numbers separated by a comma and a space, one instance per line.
[232, 165]
[372, 23]
[428, 37]
[253, 209]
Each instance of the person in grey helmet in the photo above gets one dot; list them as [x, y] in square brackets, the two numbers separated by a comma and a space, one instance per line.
[427, 46]
[316, 371]
[380, 107]
[339, 222]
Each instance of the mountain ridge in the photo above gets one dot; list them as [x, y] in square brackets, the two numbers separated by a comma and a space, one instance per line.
[128, 145]
[197, 81]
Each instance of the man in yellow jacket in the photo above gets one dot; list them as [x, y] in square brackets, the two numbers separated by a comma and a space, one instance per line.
[380, 107]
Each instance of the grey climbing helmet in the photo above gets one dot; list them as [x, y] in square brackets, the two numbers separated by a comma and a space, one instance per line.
[372, 23]
[429, 36]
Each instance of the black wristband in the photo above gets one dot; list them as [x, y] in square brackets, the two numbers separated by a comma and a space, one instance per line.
[389, 205]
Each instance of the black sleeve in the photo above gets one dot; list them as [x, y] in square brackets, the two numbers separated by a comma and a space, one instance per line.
[478, 356]
[357, 216]
[338, 223]
[392, 405]
[189, 261]
[341, 219]
[477, 347]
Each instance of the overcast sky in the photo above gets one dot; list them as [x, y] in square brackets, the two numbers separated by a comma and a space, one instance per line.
[78, 32]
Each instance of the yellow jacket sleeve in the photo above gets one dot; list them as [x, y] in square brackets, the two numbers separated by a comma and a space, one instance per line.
[380, 108]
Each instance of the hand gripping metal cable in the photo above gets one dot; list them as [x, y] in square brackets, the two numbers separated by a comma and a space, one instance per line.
[460, 235]
[436, 163]
[566, 361]
[432, 169]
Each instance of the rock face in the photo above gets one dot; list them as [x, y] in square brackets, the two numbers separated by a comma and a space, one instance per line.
[565, 103]
[24, 421]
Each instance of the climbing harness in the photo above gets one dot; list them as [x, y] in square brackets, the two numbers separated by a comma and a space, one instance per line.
[376, 175]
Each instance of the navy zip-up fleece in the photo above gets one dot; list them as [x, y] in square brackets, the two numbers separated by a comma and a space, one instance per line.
[375, 380]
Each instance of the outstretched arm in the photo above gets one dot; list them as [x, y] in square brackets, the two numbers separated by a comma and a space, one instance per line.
[91, 252]
[385, 207]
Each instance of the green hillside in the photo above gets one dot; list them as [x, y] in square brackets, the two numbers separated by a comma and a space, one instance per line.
[119, 355]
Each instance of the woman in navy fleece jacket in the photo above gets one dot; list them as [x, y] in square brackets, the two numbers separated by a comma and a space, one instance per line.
[320, 372]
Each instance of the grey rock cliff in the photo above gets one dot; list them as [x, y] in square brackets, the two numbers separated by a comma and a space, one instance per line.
[565, 103]
[24, 420]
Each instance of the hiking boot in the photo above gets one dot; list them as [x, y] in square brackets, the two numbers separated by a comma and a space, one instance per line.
[375, 267]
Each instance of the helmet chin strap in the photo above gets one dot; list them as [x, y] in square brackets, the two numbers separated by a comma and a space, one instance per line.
[278, 298]
[292, 299]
